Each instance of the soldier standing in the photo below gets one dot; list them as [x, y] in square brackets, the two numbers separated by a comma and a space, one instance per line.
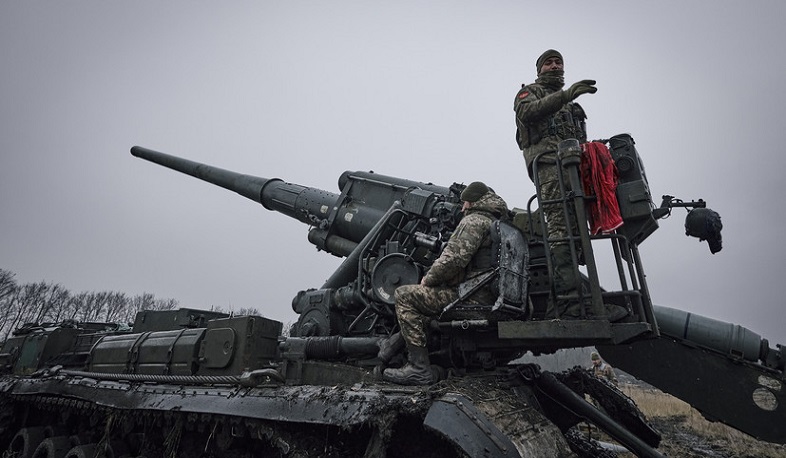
[601, 369]
[545, 115]
[466, 255]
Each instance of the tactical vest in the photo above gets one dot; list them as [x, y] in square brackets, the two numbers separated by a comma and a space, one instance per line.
[482, 260]
[505, 251]
[568, 122]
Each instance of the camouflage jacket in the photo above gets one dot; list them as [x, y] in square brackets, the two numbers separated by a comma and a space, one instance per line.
[468, 242]
[543, 119]
[604, 370]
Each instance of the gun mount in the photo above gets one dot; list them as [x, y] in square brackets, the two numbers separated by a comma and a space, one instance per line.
[389, 229]
[190, 382]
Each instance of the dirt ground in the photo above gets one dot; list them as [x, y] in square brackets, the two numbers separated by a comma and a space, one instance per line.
[681, 441]
[687, 434]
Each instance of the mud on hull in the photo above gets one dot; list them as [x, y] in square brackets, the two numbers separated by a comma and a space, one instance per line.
[77, 415]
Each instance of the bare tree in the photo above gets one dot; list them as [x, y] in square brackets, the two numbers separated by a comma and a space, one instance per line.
[32, 303]
[8, 291]
[7, 283]
[115, 307]
[56, 302]
[43, 302]
[217, 309]
[79, 304]
[144, 301]
[247, 311]
[166, 304]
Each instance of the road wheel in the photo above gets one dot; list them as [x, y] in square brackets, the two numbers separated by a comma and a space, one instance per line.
[53, 447]
[82, 451]
[26, 441]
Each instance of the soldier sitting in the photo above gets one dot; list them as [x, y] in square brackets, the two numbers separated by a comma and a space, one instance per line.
[467, 254]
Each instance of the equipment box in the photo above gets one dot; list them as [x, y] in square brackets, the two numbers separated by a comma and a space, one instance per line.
[157, 353]
[234, 345]
[167, 320]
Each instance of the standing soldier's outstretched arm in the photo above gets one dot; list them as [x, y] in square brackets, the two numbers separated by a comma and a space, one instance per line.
[529, 107]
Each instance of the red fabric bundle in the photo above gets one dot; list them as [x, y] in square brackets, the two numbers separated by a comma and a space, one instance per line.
[599, 177]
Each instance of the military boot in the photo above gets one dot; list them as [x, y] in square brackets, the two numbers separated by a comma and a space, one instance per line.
[614, 312]
[416, 372]
[564, 268]
[390, 347]
[565, 283]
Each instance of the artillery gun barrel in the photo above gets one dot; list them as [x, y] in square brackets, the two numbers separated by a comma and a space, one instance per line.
[308, 205]
[339, 221]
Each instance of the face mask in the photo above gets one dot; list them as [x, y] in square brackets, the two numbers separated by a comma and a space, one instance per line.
[554, 79]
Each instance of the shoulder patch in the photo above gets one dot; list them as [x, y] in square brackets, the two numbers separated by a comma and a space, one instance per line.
[523, 94]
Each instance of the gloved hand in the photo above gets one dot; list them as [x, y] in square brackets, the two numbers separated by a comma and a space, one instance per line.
[578, 88]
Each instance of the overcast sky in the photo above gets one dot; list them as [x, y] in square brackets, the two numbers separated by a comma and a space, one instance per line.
[304, 90]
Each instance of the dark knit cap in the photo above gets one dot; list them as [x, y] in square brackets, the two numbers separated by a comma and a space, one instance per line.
[474, 191]
[544, 56]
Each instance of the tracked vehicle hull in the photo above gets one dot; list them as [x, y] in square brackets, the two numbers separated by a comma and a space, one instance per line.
[193, 383]
[471, 416]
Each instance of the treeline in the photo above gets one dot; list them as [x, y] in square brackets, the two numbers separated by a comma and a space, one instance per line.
[44, 302]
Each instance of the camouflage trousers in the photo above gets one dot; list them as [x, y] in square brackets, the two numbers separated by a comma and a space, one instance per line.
[564, 278]
[556, 223]
[417, 305]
